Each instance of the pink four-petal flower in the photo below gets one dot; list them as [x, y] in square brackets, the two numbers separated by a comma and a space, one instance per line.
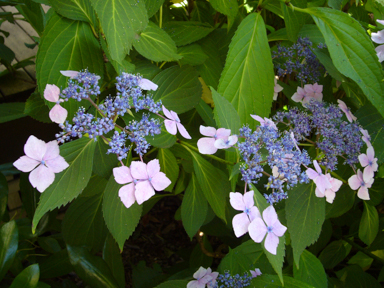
[357, 182]
[57, 114]
[173, 124]
[202, 277]
[255, 272]
[276, 89]
[366, 137]
[266, 122]
[272, 227]
[246, 204]
[329, 193]
[207, 145]
[343, 107]
[46, 157]
[149, 178]
[370, 163]
[304, 95]
[321, 180]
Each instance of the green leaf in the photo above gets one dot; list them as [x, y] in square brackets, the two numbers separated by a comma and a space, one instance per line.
[3, 195]
[333, 254]
[72, 181]
[6, 54]
[103, 163]
[312, 32]
[211, 69]
[186, 32]
[361, 259]
[179, 88]
[121, 221]
[294, 20]
[369, 224]
[9, 238]
[146, 68]
[192, 55]
[344, 200]
[83, 224]
[173, 284]
[11, 111]
[247, 80]
[28, 278]
[156, 45]
[92, 269]
[213, 182]
[194, 207]
[33, 14]
[56, 265]
[371, 120]
[355, 277]
[260, 201]
[272, 281]
[112, 256]
[206, 113]
[352, 51]
[153, 6]
[229, 8]
[163, 140]
[75, 9]
[225, 114]
[247, 256]
[121, 21]
[35, 107]
[168, 165]
[311, 270]
[67, 45]
[305, 214]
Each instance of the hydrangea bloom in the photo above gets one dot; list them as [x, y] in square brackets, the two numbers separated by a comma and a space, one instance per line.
[379, 39]
[202, 276]
[46, 157]
[148, 178]
[321, 180]
[329, 193]
[366, 137]
[245, 203]
[309, 92]
[173, 124]
[274, 229]
[255, 272]
[347, 111]
[266, 122]
[357, 182]
[57, 114]
[226, 143]
[276, 89]
[206, 145]
[370, 163]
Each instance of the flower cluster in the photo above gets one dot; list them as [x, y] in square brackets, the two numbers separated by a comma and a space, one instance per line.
[207, 278]
[299, 59]
[142, 181]
[284, 158]
[250, 221]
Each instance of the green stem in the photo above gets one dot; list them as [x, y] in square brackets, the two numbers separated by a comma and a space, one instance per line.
[187, 146]
[361, 249]
[161, 16]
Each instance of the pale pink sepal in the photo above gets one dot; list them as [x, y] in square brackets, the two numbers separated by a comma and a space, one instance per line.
[122, 175]
[146, 84]
[378, 37]
[127, 195]
[173, 123]
[41, 177]
[206, 145]
[255, 272]
[58, 114]
[52, 93]
[143, 191]
[69, 73]
[380, 52]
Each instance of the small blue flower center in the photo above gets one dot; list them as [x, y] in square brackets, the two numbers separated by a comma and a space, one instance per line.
[269, 229]
[247, 211]
[215, 136]
[42, 162]
[135, 181]
[362, 183]
[149, 179]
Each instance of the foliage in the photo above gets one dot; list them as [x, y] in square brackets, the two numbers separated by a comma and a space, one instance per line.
[214, 63]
